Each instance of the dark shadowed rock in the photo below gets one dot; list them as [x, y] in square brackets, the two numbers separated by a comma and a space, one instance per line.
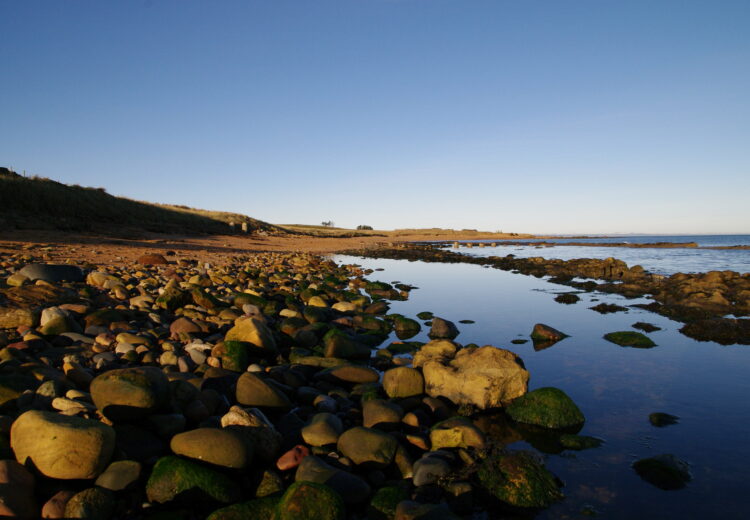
[664, 471]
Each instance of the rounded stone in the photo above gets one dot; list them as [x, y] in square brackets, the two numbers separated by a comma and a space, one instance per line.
[130, 393]
[213, 445]
[368, 447]
[403, 382]
[253, 390]
[60, 446]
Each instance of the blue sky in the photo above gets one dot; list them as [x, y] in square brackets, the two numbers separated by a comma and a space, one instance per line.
[530, 116]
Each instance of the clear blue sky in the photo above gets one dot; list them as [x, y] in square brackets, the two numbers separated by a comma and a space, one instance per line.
[543, 116]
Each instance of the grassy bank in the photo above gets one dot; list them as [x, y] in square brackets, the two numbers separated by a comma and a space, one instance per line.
[40, 203]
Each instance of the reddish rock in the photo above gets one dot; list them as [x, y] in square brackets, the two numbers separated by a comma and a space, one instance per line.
[292, 458]
[152, 259]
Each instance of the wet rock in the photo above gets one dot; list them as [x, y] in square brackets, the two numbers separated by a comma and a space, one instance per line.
[725, 331]
[664, 471]
[567, 298]
[545, 336]
[175, 478]
[406, 328]
[548, 407]
[119, 475]
[443, 329]
[403, 382]
[645, 327]
[629, 338]
[353, 489]
[253, 390]
[340, 345]
[660, 419]
[52, 273]
[324, 429]
[309, 500]
[519, 479]
[62, 447]
[485, 377]
[368, 447]
[213, 445]
[94, 503]
[130, 393]
[608, 308]
[16, 491]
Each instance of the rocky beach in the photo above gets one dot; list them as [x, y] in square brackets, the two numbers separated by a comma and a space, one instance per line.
[265, 385]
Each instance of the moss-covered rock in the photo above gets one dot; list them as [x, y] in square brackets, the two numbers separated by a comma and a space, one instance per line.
[548, 407]
[310, 501]
[405, 327]
[175, 478]
[173, 298]
[258, 509]
[234, 355]
[519, 479]
[629, 338]
[664, 471]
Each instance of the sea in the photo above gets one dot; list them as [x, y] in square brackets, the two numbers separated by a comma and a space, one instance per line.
[705, 384]
[664, 261]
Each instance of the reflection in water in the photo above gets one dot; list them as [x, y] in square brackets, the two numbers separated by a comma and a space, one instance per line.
[704, 384]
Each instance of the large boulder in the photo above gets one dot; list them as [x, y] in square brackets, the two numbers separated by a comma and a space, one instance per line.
[485, 377]
[547, 407]
[130, 393]
[61, 446]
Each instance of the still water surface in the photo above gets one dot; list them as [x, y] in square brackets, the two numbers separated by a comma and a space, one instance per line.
[656, 260]
[707, 385]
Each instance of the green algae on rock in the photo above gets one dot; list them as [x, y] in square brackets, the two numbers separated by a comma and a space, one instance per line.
[175, 478]
[310, 501]
[258, 509]
[629, 338]
[518, 479]
[383, 504]
[548, 407]
[579, 442]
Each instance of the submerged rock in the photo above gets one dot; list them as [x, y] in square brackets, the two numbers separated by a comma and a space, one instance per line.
[661, 419]
[545, 336]
[725, 331]
[548, 407]
[579, 442]
[629, 338]
[664, 471]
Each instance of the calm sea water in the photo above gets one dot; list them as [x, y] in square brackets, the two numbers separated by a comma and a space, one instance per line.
[661, 261]
[703, 383]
